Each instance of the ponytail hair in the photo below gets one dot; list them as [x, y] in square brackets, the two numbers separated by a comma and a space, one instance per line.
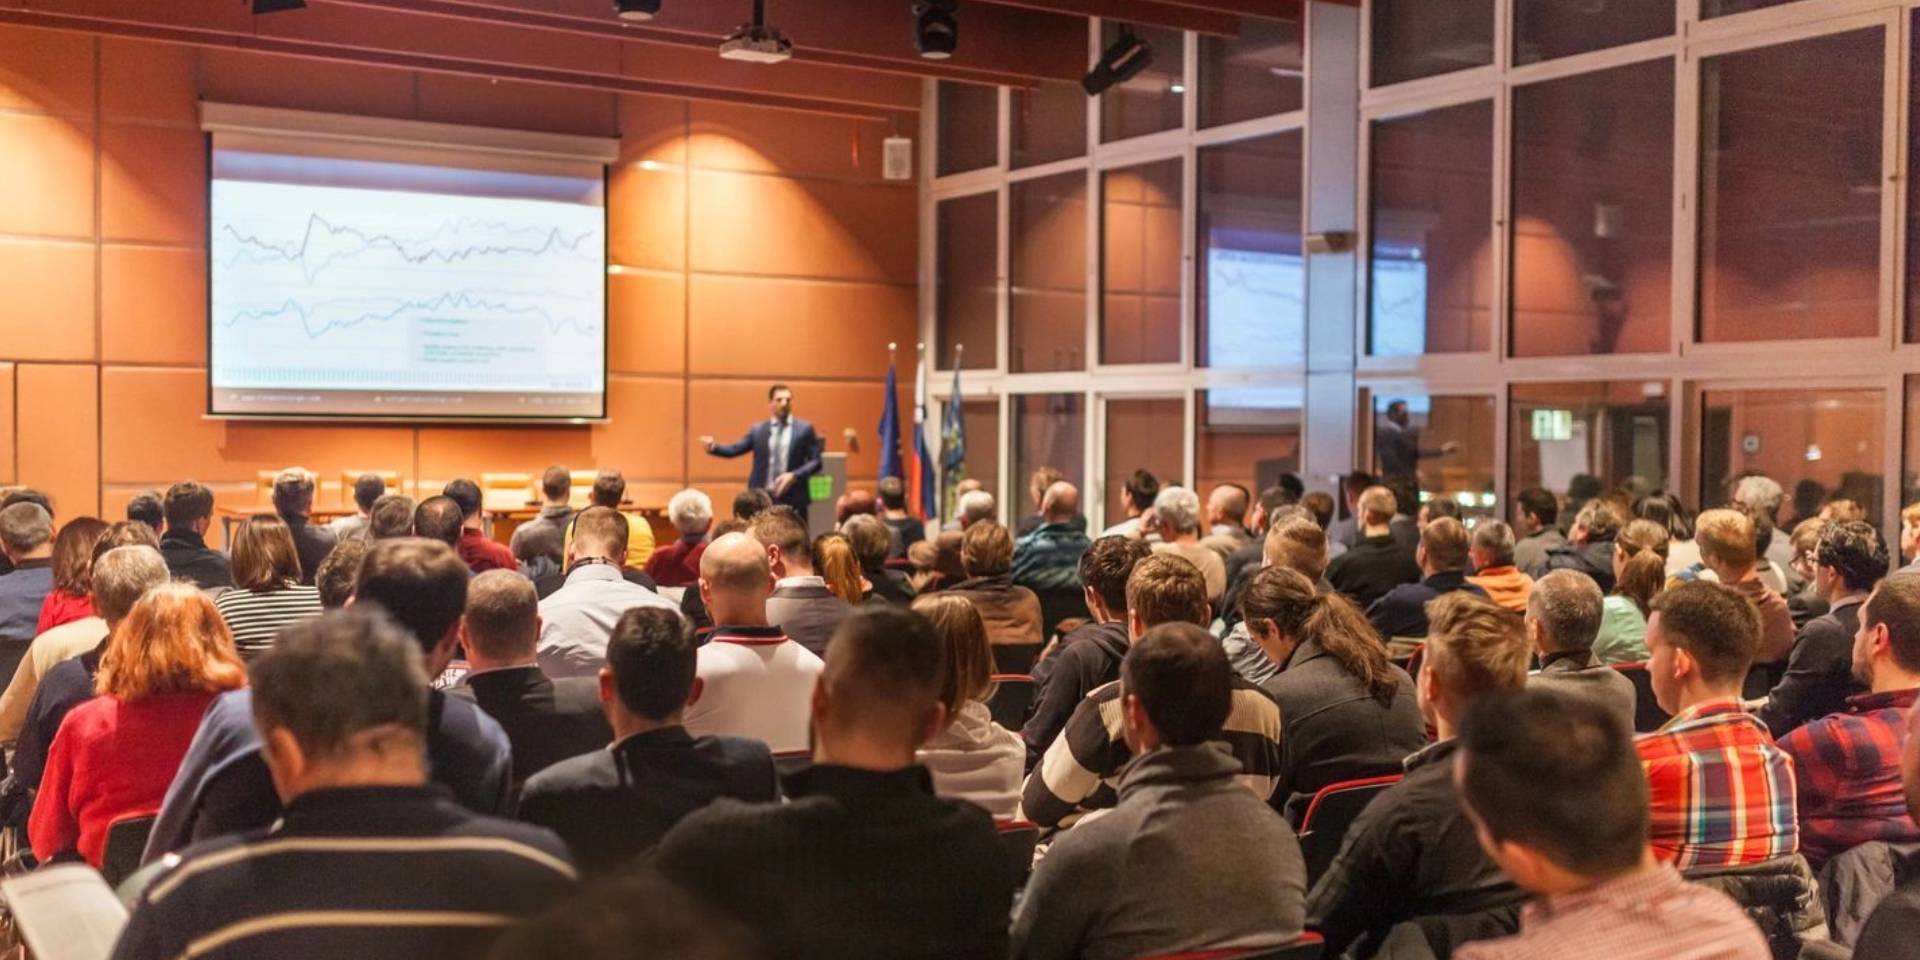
[1643, 568]
[1288, 601]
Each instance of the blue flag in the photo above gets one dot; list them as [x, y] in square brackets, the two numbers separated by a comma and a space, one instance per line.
[890, 429]
[953, 448]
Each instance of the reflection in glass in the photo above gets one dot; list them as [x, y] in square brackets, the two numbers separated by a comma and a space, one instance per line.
[1593, 213]
[969, 127]
[1140, 251]
[1721, 8]
[1614, 434]
[1425, 38]
[1442, 445]
[1259, 73]
[1430, 280]
[1049, 430]
[1790, 187]
[1545, 29]
[1154, 100]
[1247, 435]
[1142, 434]
[964, 280]
[1252, 275]
[1047, 306]
[1818, 444]
[1049, 123]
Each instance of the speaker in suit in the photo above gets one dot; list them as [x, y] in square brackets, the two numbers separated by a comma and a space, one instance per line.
[782, 444]
[546, 720]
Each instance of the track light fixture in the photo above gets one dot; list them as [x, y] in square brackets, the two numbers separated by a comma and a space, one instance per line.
[276, 6]
[635, 10]
[935, 32]
[1118, 63]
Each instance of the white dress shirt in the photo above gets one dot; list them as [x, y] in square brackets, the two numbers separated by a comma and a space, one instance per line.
[576, 619]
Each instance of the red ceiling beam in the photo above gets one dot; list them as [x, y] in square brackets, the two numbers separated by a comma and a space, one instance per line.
[1278, 9]
[1159, 13]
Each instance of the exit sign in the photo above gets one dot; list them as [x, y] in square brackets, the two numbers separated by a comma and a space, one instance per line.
[1552, 425]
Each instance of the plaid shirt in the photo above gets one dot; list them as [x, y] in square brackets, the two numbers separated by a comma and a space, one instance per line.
[1848, 767]
[1654, 915]
[1722, 793]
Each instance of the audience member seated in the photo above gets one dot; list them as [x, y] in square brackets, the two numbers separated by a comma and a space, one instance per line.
[1491, 558]
[907, 528]
[1011, 612]
[801, 605]
[1244, 560]
[1722, 793]
[1176, 518]
[1639, 574]
[147, 507]
[342, 706]
[576, 619]
[1376, 562]
[1042, 481]
[1412, 854]
[546, 720]
[838, 569]
[972, 507]
[1442, 556]
[1344, 534]
[293, 503]
[115, 754]
[121, 576]
[267, 593]
[936, 563]
[1555, 794]
[871, 541]
[223, 785]
[1563, 618]
[972, 758]
[1727, 548]
[1048, 558]
[613, 805]
[864, 860]
[1888, 931]
[438, 518]
[678, 563]
[1807, 603]
[546, 534]
[392, 517]
[1186, 860]
[1822, 671]
[1346, 711]
[70, 599]
[1227, 506]
[477, 550]
[367, 488]
[612, 914]
[1846, 766]
[1090, 655]
[1295, 543]
[26, 536]
[1136, 498]
[609, 489]
[1080, 770]
[339, 571]
[1589, 546]
[757, 682]
[185, 542]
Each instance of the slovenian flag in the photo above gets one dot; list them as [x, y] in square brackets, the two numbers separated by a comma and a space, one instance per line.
[920, 477]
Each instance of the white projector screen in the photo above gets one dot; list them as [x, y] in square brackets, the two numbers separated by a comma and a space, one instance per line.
[365, 280]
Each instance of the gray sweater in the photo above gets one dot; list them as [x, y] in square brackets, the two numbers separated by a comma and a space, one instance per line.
[1188, 860]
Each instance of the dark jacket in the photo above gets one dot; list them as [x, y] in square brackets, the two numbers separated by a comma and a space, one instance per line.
[189, 558]
[312, 544]
[68, 685]
[1411, 853]
[546, 720]
[1049, 557]
[891, 586]
[1333, 728]
[1577, 672]
[612, 805]
[1402, 611]
[1088, 657]
[860, 864]
[907, 531]
[1888, 933]
[803, 459]
[1242, 564]
[1374, 566]
[1819, 676]
[1593, 558]
[808, 613]
[1012, 613]
[1854, 882]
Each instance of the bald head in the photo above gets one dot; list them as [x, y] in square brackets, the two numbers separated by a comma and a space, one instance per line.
[1228, 503]
[1061, 502]
[735, 579]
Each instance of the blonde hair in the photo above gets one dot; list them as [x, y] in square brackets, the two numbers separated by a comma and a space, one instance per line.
[1475, 648]
[963, 640]
[1377, 502]
[833, 559]
[986, 549]
[172, 641]
[1726, 536]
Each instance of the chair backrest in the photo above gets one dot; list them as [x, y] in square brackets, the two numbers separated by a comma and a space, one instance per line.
[792, 761]
[1019, 838]
[1015, 658]
[1416, 658]
[1308, 947]
[1647, 715]
[126, 840]
[1332, 811]
[504, 492]
[1010, 700]
[1059, 605]
[350, 477]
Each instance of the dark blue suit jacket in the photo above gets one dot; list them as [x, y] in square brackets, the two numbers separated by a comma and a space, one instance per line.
[803, 460]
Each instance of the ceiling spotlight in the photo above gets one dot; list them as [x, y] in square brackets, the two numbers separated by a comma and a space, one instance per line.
[1118, 63]
[935, 32]
[276, 6]
[756, 42]
[636, 9]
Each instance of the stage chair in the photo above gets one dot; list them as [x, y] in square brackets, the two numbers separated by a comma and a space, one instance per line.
[348, 477]
[504, 492]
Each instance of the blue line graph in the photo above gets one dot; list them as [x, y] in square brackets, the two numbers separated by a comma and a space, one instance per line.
[457, 299]
[423, 251]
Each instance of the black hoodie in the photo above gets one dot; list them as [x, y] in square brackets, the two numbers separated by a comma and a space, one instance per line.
[1087, 658]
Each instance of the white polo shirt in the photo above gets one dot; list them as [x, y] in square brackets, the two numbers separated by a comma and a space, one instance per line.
[759, 684]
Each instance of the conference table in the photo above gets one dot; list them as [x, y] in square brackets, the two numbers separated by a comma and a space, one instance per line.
[500, 524]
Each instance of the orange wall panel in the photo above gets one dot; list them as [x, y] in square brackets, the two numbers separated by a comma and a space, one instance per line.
[468, 451]
[646, 217]
[653, 128]
[297, 83]
[58, 440]
[150, 82]
[48, 287]
[153, 305]
[646, 322]
[46, 71]
[48, 167]
[742, 326]
[523, 106]
[6, 423]
[641, 437]
[728, 136]
[745, 223]
[153, 184]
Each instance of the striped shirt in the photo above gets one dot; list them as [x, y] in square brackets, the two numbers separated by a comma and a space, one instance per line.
[1722, 793]
[368, 872]
[1080, 771]
[256, 616]
[1652, 915]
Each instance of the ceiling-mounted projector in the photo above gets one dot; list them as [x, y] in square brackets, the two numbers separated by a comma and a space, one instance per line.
[756, 42]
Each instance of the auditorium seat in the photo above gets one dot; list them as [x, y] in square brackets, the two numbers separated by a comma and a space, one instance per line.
[1019, 837]
[348, 478]
[1015, 658]
[1308, 947]
[126, 840]
[792, 761]
[1058, 606]
[1647, 715]
[1332, 811]
[505, 492]
[1012, 696]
